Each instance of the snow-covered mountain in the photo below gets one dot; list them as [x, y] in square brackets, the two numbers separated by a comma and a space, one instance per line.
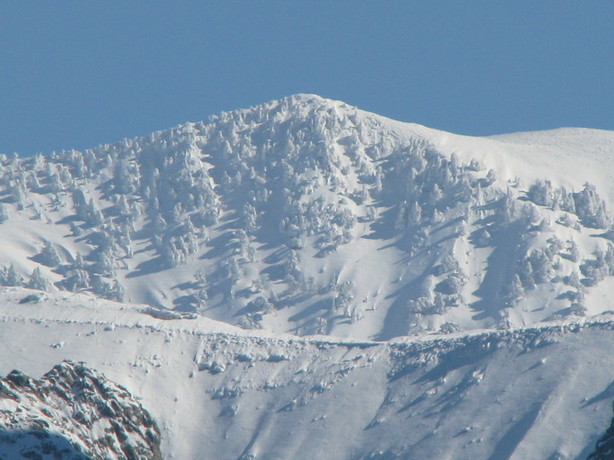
[306, 215]
[401, 292]
[223, 393]
[73, 413]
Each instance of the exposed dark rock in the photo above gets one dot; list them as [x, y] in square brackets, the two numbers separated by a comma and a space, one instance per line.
[605, 446]
[73, 412]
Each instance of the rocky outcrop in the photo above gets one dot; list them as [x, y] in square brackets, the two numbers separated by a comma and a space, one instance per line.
[605, 446]
[73, 412]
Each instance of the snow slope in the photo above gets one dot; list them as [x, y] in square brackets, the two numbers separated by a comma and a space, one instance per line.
[308, 216]
[219, 392]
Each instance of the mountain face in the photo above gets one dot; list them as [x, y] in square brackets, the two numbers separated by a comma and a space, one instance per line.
[72, 412]
[308, 216]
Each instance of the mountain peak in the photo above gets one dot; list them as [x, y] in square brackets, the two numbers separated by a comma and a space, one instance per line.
[307, 98]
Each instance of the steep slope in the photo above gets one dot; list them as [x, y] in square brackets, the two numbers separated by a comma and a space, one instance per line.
[73, 412]
[522, 394]
[308, 216]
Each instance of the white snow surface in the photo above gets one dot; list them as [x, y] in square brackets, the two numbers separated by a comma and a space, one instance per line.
[219, 392]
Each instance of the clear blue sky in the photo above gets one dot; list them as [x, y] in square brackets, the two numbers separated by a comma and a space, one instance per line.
[80, 73]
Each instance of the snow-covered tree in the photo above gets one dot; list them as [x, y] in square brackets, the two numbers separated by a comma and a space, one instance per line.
[126, 177]
[38, 281]
[451, 285]
[541, 193]
[573, 280]
[572, 251]
[512, 291]
[19, 194]
[78, 280]
[590, 207]
[343, 297]
[490, 178]
[541, 266]
[49, 255]
[568, 221]
[10, 277]
[4, 214]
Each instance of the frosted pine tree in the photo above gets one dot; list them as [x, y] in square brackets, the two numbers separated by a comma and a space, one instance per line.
[49, 256]
[10, 277]
[38, 281]
[590, 207]
[4, 214]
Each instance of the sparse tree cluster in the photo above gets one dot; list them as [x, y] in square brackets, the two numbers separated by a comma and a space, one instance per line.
[586, 204]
